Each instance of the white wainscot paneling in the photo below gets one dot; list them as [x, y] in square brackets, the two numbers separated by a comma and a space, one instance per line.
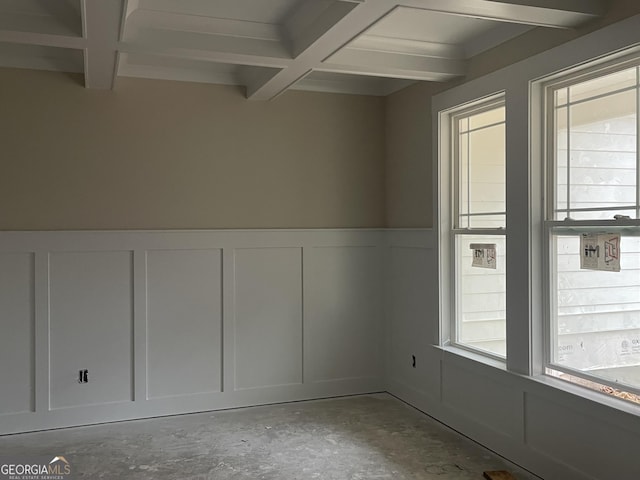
[343, 308]
[91, 325]
[184, 315]
[481, 399]
[268, 317]
[17, 337]
[412, 318]
[597, 448]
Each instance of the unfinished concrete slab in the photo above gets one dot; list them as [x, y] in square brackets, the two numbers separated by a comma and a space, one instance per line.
[361, 437]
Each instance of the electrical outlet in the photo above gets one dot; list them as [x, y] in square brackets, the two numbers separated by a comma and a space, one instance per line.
[83, 376]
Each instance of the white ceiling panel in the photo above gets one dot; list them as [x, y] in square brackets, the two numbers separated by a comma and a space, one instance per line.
[173, 68]
[57, 17]
[38, 57]
[371, 47]
[430, 26]
[351, 84]
[260, 11]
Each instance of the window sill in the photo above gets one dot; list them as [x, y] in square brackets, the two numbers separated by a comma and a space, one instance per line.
[487, 360]
[586, 393]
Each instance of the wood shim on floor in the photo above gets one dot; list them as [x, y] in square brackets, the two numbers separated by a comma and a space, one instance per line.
[498, 475]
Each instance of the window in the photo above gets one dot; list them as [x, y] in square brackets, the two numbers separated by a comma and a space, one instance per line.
[477, 234]
[593, 169]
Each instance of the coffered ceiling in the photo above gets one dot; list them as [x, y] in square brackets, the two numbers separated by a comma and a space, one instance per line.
[370, 47]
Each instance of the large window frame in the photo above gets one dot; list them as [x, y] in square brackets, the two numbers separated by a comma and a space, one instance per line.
[554, 227]
[528, 292]
[455, 231]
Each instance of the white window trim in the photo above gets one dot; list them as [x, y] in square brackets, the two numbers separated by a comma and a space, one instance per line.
[525, 170]
[544, 88]
[449, 189]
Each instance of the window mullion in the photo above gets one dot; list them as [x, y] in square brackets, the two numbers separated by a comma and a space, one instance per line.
[568, 153]
[637, 142]
[468, 176]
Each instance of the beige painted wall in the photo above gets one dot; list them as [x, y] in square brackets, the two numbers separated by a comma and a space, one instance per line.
[409, 138]
[161, 155]
[408, 152]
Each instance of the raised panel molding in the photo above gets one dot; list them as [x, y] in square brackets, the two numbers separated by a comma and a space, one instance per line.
[171, 322]
[323, 293]
[343, 313]
[410, 304]
[91, 327]
[492, 404]
[598, 447]
[268, 317]
[184, 322]
[17, 341]
[547, 430]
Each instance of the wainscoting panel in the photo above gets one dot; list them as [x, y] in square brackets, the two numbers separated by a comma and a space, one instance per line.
[171, 322]
[343, 313]
[184, 322]
[91, 325]
[222, 319]
[268, 317]
[493, 405]
[533, 421]
[411, 305]
[559, 431]
[17, 340]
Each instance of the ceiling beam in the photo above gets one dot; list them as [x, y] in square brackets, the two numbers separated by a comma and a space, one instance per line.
[321, 29]
[407, 46]
[42, 39]
[545, 13]
[388, 72]
[130, 6]
[101, 21]
[325, 36]
[234, 58]
[354, 85]
[312, 20]
[387, 64]
[143, 20]
[253, 77]
[494, 37]
[164, 40]
[168, 68]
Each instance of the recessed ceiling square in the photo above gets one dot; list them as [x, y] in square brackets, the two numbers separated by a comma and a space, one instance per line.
[54, 17]
[38, 57]
[262, 11]
[430, 26]
[319, 81]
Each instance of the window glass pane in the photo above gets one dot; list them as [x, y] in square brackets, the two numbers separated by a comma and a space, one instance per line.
[480, 294]
[596, 155]
[481, 167]
[490, 117]
[603, 85]
[596, 319]
[487, 172]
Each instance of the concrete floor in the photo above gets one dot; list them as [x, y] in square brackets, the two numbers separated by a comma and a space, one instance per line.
[362, 437]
